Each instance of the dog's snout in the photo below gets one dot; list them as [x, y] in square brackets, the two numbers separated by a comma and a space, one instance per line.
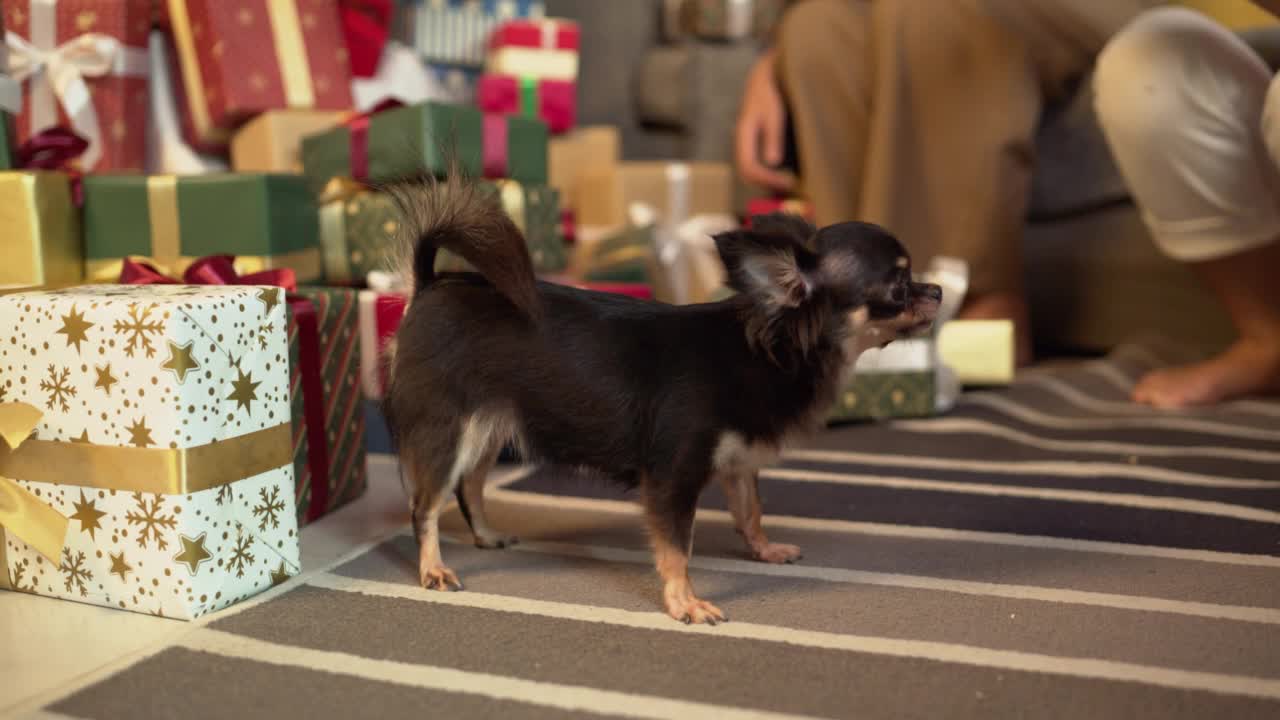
[929, 291]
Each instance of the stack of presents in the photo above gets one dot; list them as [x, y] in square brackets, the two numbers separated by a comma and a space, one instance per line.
[195, 295]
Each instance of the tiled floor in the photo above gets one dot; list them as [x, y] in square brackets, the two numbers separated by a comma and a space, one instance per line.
[47, 644]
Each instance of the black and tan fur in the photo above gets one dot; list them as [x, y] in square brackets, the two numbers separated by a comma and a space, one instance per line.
[662, 399]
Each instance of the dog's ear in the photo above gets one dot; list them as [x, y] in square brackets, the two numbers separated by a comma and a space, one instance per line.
[787, 225]
[775, 269]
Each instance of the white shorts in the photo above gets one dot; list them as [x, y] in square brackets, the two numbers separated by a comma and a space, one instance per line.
[1191, 115]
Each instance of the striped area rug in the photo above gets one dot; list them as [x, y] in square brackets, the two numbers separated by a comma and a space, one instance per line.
[1045, 551]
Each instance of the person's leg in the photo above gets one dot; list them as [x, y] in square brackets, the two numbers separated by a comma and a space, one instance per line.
[824, 70]
[959, 89]
[1181, 100]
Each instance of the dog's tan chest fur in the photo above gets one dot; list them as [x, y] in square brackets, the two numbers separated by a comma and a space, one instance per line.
[733, 454]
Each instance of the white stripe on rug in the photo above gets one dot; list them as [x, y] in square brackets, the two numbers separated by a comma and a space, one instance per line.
[953, 653]
[950, 426]
[1264, 616]
[1042, 542]
[1058, 468]
[572, 698]
[1032, 416]
[1092, 497]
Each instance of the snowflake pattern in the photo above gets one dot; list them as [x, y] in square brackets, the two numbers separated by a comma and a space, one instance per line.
[58, 387]
[226, 493]
[137, 327]
[152, 519]
[73, 567]
[268, 512]
[241, 558]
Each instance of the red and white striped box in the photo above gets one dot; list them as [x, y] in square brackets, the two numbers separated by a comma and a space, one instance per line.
[543, 49]
[380, 314]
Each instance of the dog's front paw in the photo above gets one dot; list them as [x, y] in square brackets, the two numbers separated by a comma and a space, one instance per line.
[695, 611]
[440, 577]
[776, 553]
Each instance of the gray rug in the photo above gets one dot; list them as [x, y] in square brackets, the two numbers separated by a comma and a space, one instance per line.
[1044, 551]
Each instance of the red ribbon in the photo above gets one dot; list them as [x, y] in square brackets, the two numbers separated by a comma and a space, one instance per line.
[529, 33]
[359, 126]
[569, 226]
[53, 149]
[221, 270]
[496, 162]
[367, 26]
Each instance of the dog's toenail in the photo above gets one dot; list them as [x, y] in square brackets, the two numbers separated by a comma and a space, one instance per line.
[686, 620]
[711, 621]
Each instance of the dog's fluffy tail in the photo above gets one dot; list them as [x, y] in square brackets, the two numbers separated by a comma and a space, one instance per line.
[467, 219]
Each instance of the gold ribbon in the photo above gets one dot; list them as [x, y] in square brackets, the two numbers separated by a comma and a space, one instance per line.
[193, 84]
[42, 232]
[306, 264]
[291, 53]
[162, 207]
[21, 512]
[512, 194]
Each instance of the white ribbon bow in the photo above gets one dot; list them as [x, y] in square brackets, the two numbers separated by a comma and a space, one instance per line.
[63, 70]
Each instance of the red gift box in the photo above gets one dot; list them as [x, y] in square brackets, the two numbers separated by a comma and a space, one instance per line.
[97, 51]
[238, 58]
[555, 102]
[766, 206]
[380, 314]
[543, 34]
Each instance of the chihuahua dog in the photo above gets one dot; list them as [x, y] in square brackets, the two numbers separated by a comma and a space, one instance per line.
[663, 399]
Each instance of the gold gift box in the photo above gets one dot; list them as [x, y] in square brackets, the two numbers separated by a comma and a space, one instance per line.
[272, 141]
[578, 152]
[42, 240]
[676, 191]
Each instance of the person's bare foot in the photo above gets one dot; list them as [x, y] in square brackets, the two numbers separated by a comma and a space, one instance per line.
[1246, 368]
[1004, 306]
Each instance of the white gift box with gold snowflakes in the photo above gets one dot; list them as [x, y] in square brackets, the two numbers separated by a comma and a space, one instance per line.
[147, 458]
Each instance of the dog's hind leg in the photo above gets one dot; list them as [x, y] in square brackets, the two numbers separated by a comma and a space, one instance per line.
[470, 494]
[428, 465]
[741, 489]
[669, 512]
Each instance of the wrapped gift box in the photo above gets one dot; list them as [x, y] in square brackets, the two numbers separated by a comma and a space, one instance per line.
[574, 154]
[458, 84]
[545, 49]
[535, 209]
[620, 255]
[515, 147]
[42, 240]
[898, 381]
[272, 142]
[456, 32]
[673, 190]
[168, 151]
[237, 60]
[10, 102]
[109, 111]
[358, 233]
[768, 206]
[327, 402]
[396, 143]
[159, 477]
[380, 315]
[266, 221]
[724, 20]
[555, 102]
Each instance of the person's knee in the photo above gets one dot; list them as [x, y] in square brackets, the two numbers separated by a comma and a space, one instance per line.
[1163, 66]
[814, 33]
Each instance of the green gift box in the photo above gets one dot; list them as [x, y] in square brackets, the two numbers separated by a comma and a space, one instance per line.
[326, 400]
[6, 156]
[535, 209]
[882, 395]
[515, 147]
[265, 220]
[358, 232]
[626, 256]
[397, 143]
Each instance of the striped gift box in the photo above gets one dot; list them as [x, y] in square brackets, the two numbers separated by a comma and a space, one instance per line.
[457, 32]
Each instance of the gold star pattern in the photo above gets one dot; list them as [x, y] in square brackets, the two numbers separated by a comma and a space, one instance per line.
[88, 515]
[270, 297]
[309, 21]
[118, 130]
[105, 378]
[245, 16]
[86, 20]
[84, 437]
[322, 83]
[119, 566]
[140, 434]
[218, 49]
[18, 16]
[181, 361]
[75, 327]
[279, 575]
[193, 552]
[257, 81]
[245, 391]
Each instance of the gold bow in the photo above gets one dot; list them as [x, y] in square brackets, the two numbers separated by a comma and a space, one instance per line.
[21, 512]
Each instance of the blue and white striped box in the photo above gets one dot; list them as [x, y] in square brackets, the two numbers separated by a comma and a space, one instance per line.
[456, 32]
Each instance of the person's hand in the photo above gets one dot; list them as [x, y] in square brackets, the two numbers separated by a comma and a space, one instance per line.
[761, 128]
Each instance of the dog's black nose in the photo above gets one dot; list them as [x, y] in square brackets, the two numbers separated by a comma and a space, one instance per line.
[929, 291]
